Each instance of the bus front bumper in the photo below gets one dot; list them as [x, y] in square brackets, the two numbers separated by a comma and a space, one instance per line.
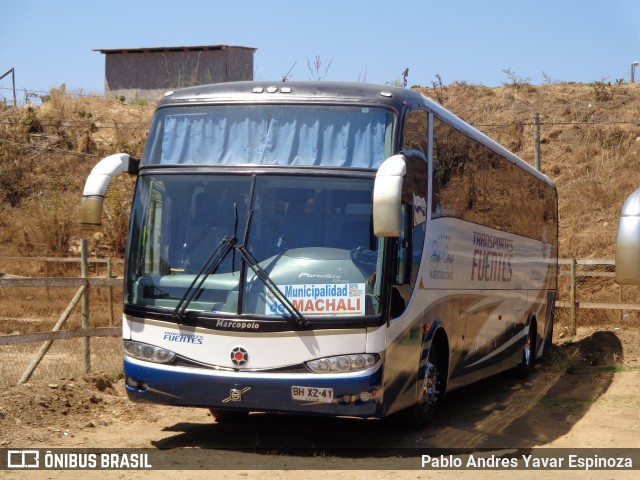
[357, 394]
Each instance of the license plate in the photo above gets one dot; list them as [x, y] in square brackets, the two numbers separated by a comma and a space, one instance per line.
[312, 394]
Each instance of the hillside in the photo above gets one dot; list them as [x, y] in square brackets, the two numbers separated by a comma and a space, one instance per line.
[46, 153]
[590, 136]
[590, 146]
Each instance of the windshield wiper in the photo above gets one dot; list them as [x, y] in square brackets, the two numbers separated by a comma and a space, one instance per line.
[209, 268]
[262, 274]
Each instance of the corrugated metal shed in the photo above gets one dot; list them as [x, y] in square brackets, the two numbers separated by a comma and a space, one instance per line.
[146, 73]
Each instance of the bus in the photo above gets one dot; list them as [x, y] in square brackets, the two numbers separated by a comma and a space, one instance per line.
[327, 248]
[628, 242]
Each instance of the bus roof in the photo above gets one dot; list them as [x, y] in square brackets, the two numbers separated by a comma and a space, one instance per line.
[293, 92]
[332, 92]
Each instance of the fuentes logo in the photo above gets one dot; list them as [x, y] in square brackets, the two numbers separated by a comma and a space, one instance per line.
[183, 338]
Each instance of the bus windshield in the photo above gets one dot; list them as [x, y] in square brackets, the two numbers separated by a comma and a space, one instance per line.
[312, 235]
[300, 135]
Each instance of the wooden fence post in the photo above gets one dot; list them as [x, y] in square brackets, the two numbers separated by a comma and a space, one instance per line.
[45, 348]
[110, 293]
[573, 300]
[536, 140]
[84, 269]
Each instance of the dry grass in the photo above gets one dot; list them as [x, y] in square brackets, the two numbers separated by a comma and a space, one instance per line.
[589, 136]
[46, 153]
[589, 147]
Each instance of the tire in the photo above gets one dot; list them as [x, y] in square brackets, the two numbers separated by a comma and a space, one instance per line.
[227, 416]
[523, 370]
[422, 413]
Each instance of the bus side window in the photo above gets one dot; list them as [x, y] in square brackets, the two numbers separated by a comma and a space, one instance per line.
[415, 132]
[414, 211]
[409, 255]
[414, 197]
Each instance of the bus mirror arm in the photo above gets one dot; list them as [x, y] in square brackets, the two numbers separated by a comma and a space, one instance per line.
[97, 183]
[628, 242]
[387, 197]
[134, 166]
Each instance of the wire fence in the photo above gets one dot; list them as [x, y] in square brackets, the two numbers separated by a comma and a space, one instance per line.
[588, 295]
[30, 96]
[29, 314]
[32, 308]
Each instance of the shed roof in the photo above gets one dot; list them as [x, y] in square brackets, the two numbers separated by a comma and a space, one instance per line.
[168, 49]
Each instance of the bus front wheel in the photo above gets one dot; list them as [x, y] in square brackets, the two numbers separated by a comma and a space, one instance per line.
[431, 389]
[431, 392]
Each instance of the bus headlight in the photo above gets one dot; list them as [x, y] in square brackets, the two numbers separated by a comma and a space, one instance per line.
[343, 363]
[143, 351]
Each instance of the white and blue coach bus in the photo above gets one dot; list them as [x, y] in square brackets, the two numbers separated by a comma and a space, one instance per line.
[327, 248]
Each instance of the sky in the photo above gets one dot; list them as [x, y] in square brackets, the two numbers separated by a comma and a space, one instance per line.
[491, 42]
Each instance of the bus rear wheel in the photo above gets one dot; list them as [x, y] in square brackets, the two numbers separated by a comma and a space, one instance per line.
[227, 416]
[523, 370]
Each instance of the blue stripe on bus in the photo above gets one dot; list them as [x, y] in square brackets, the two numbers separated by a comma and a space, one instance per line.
[206, 388]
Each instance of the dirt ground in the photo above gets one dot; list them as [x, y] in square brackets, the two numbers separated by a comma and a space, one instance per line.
[586, 393]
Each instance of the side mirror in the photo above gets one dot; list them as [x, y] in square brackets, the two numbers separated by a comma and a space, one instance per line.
[628, 242]
[387, 197]
[96, 186]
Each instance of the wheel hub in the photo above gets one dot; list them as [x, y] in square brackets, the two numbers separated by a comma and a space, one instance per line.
[431, 384]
